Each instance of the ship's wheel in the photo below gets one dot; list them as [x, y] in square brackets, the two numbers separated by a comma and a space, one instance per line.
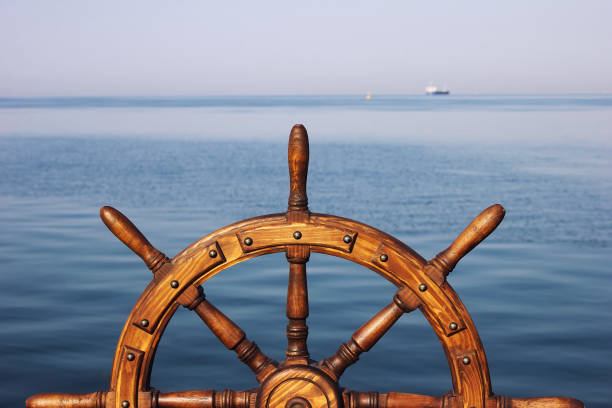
[298, 381]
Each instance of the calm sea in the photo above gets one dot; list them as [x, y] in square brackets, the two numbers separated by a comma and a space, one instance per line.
[539, 288]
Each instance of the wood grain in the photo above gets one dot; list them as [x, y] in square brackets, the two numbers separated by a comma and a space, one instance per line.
[298, 156]
[367, 335]
[480, 228]
[353, 399]
[57, 400]
[205, 399]
[297, 305]
[229, 333]
[271, 236]
[292, 384]
[131, 236]
[299, 386]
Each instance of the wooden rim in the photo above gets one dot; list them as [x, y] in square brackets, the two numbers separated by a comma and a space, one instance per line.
[323, 234]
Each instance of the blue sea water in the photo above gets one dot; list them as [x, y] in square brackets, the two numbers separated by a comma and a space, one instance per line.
[419, 168]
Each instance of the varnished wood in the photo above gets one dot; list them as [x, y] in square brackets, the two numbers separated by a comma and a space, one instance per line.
[270, 236]
[297, 305]
[298, 382]
[228, 332]
[480, 228]
[297, 253]
[151, 399]
[299, 386]
[205, 399]
[127, 233]
[544, 402]
[367, 335]
[401, 400]
[57, 400]
[162, 296]
[298, 156]
[353, 399]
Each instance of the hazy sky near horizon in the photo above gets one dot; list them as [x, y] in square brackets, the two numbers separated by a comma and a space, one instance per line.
[67, 48]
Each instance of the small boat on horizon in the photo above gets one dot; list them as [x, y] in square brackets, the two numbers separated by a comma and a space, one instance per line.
[434, 90]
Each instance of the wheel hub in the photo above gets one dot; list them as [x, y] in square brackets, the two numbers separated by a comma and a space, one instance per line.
[299, 387]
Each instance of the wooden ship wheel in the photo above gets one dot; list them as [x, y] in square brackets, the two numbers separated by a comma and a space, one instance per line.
[298, 381]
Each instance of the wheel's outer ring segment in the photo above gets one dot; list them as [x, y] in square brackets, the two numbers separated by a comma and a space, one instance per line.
[324, 234]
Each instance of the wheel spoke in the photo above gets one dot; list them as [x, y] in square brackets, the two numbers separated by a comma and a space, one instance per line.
[228, 332]
[152, 399]
[297, 305]
[354, 399]
[61, 400]
[204, 399]
[297, 255]
[368, 335]
[127, 233]
[442, 264]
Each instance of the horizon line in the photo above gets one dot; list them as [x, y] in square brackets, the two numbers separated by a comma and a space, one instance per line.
[100, 96]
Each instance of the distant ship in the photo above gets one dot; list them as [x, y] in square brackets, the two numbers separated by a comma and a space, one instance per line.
[433, 90]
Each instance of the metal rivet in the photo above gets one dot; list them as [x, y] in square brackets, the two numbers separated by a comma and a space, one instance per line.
[466, 360]
[297, 235]
[453, 326]
[130, 357]
[248, 241]
[125, 404]
[144, 322]
[212, 253]
[174, 284]
[422, 287]
[348, 239]
[383, 258]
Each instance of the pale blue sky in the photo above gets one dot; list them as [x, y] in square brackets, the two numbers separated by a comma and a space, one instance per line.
[50, 48]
